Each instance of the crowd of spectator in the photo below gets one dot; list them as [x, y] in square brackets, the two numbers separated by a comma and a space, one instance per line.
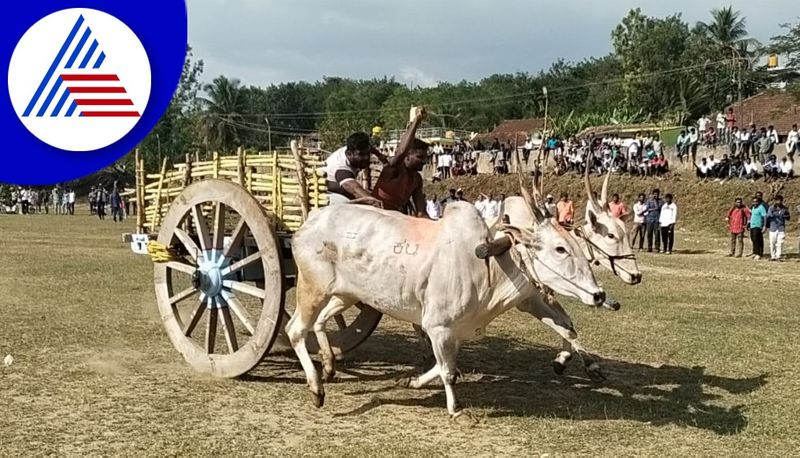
[61, 201]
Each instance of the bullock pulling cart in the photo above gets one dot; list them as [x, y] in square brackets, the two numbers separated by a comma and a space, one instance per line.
[219, 232]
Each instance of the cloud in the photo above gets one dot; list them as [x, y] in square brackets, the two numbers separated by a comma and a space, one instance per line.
[414, 77]
[419, 42]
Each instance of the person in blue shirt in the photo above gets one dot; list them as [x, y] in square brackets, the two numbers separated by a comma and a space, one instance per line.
[652, 213]
[777, 216]
[758, 222]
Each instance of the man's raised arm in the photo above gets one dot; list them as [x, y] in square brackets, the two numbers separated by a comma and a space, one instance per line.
[418, 114]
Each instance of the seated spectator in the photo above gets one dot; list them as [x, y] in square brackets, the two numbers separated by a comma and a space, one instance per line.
[787, 168]
[749, 169]
[660, 165]
[722, 167]
[772, 170]
[704, 170]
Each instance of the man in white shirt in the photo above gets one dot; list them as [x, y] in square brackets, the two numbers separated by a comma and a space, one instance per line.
[433, 208]
[550, 205]
[492, 207]
[749, 170]
[694, 138]
[702, 125]
[71, 201]
[787, 168]
[667, 220]
[343, 166]
[792, 141]
[704, 169]
[639, 209]
[773, 135]
[480, 205]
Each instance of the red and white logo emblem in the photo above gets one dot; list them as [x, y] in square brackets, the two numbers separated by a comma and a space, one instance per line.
[79, 79]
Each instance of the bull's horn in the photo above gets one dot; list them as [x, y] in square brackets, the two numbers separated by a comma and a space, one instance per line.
[497, 222]
[493, 247]
[604, 192]
[589, 196]
[535, 210]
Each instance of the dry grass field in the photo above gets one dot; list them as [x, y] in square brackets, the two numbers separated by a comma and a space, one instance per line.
[700, 361]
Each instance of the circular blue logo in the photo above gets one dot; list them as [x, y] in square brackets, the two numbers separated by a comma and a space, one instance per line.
[87, 81]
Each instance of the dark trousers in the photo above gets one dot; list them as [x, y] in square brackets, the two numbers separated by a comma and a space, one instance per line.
[638, 233]
[737, 244]
[116, 212]
[652, 233]
[668, 237]
[757, 237]
[101, 210]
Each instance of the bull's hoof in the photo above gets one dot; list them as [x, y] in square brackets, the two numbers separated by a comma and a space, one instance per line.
[403, 382]
[327, 376]
[595, 372]
[559, 367]
[464, 417]
[318, 399]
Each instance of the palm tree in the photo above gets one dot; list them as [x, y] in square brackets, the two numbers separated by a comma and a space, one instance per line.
[727, 33]
[223, 106]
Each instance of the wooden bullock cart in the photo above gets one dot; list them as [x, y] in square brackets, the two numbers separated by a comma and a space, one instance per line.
[219, 232]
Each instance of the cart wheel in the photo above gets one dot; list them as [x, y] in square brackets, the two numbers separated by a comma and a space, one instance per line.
[224, 240]
[346, 331]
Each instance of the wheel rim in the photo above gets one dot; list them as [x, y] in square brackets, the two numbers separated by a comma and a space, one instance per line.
[223, 237]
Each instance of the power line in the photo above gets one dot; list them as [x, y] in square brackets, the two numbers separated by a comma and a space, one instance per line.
[536, 94]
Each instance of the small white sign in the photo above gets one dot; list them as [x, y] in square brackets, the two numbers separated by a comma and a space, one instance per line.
[139, 243]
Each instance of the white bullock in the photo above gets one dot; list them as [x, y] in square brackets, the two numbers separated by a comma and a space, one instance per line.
[450, 276]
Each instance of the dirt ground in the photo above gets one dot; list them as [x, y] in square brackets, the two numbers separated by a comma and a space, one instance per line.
[699, 362]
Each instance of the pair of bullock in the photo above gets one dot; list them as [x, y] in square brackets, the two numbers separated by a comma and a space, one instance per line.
[451, 277]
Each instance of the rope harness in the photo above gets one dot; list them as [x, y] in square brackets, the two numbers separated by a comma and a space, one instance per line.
[580, 233]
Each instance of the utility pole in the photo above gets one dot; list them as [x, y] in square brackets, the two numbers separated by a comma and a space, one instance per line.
[269, 134]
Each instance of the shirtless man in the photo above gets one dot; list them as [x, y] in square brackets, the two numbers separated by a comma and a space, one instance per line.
[342, 168]
[400, 180]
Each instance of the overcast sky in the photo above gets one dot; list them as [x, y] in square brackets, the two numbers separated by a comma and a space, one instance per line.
[422, 42]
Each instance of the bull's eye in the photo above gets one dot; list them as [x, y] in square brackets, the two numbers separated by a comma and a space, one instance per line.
[561, 250]
[611, 236]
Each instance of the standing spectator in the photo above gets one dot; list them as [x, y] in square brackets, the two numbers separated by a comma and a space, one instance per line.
[480, 205]
[730, 120]
[702, 126]
[763, 145]
[777, 216]
[71, 201]
[433, 208]
[116, 205]
[55, 198]
[492, 206]
[565, 210]
[682, 145]
[618, 209]
[792, 142]
[738, 218]
[25, 195]
[773, 137]
[652, 216]
[721, 127]
[639, 210]
[758, 221]
[667, 219]
[694, 139]
[550, 206]
[100, 202]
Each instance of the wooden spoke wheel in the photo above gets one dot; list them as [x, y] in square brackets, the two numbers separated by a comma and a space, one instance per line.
[221, 301]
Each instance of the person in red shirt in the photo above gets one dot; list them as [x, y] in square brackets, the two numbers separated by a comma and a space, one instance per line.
[618, 209]
[738, 222]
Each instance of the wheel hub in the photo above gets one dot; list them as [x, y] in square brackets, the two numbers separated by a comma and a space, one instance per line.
[208, 277]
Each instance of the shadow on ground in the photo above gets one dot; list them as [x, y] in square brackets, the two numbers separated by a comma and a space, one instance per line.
[508, 377]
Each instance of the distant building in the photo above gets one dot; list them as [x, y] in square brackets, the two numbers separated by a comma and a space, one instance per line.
[778, 108]
[514, 130]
